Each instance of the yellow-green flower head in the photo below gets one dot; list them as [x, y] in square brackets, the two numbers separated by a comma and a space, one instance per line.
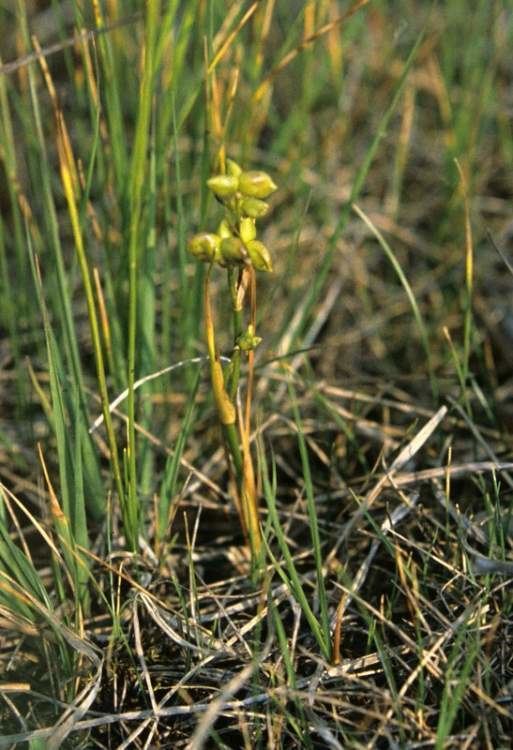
[232, 250]
[256, 184]
[223, 185]
[259, 256]
[205, 246]
[247, 229]
[254, 207]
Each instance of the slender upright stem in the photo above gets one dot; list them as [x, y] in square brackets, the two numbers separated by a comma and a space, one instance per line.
[233, 382]
[234, 431]
[136, 195]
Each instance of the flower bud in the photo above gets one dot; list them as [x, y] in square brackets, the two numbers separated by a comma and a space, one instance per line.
[232, 250]
[254, 207]
[233, 168]
[247, 341]
[223, 185]
[223, 230]
[259, 256]
[205, 246]
[247, 229]
[256, 184]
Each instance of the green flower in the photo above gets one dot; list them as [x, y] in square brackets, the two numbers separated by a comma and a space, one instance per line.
[224, 230]
[259, 256]
[256, 184]
[247, 229]
[232, 250]
[254, 207]
[223, 185]
[205, 246]
[233, 168]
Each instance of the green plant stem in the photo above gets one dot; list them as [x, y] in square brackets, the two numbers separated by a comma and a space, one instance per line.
[225, 407]
[227, 414]
[233, 382]
[136, 202]
[231, 438]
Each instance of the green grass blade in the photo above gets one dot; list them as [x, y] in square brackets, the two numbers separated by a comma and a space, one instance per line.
[312, 517]
[293, 580]
[138, 173]
[170, 477]
[456, 682]
[419, 319]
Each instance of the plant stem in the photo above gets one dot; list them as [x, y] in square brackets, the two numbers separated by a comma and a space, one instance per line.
[233, 382]
[136, 194]
[232, 436]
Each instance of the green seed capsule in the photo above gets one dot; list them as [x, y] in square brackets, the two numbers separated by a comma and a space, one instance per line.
[247, 229]
[232, 250]
[256, 184]
[254, 207]
[205, 246]
[223, 185]
[259, 256]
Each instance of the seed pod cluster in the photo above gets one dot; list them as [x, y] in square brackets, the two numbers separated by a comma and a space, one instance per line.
[243, 196]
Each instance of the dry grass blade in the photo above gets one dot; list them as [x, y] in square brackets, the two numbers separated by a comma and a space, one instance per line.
[401, 512]
[162, 622]
[405, 455]
[74, 713]
[290, 56]
[67, 722]
[147, 379]
[217, 706]
[81, 36]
